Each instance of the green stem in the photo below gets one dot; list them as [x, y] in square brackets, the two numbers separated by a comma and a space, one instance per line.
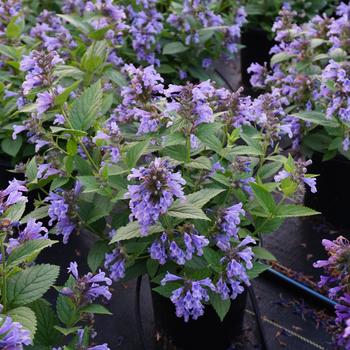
[4, 284]
[188, 148]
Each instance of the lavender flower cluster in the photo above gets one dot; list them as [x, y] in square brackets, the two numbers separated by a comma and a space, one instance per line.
[308, 68]
[336, 281]
[158, 187]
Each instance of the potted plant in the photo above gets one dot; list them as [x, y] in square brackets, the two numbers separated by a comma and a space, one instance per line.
[176, 182]
[258, 34]
[309, 68]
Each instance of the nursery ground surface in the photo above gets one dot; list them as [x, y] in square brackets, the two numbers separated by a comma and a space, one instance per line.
[289, 320]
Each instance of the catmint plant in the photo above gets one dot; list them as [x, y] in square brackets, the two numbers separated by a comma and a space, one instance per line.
[309, 69]
[174, 180]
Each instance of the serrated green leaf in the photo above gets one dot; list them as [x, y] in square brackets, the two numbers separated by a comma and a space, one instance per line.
[67, 331]
[63, 96]
[31, 170]
[38, 213]
[132, 230]
[317, 118]
[213, 258]
[30, 284]
[174, 48]
[94, 56]
[257, 269]
[202, 197]
[46, 333]
[85, 109]
[220, 306]
[293, 210]
[96, 255]
[11, 147]
[27, 250]
[186, 211]
[262, 253]
[264, 197]
[135, 152]
[96, 309]
[280, 57]
[77, 23]
[15, 211]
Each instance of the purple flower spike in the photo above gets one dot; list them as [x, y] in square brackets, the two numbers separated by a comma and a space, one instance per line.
[158, 187]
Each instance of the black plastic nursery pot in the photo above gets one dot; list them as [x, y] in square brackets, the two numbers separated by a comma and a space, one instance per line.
[333, 190]
[256, 49]
[205, 333]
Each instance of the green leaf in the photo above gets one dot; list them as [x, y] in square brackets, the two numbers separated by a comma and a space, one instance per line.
[65, 307]
[38, 213]
[135, 152]
[85, 109]
[66, 71]
[15, 27]
[46, 333]
[63, 96]
[67, 331]
[220, 306]
[15, 211]
[27, 251]
[293, 210]
[186, 211]
[72, 147]
[200, 163]
[280, 57]
[211, 141]
[264, 197]
[89, 183]
[213, 258]
[257, 269]
[26, 317]
[202, 197]
[31, 284]
[77, 23]
[116, 77]
[152, 267]
[11, 147]
[262, 253]
[174, 48]
[94, 56]
[167, 289]
[96, 309]
[31, 170]
[269, 169]
[132, 230]
[96, 255]
[317, 118]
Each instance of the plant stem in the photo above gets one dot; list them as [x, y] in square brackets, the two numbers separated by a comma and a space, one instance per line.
[4, 284]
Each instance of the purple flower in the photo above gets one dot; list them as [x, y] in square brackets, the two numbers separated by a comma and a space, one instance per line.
[62, 210]
[12, 194]
[39, 70]
[88, 287]
[158, 187]
[237, 259]
[44, 102]
[12, 334]
[146, 25]
[180, 249]
[229, 223]
[189, 298]
[258, 75]
[32, 231]
[115, 262]
[46, 170]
